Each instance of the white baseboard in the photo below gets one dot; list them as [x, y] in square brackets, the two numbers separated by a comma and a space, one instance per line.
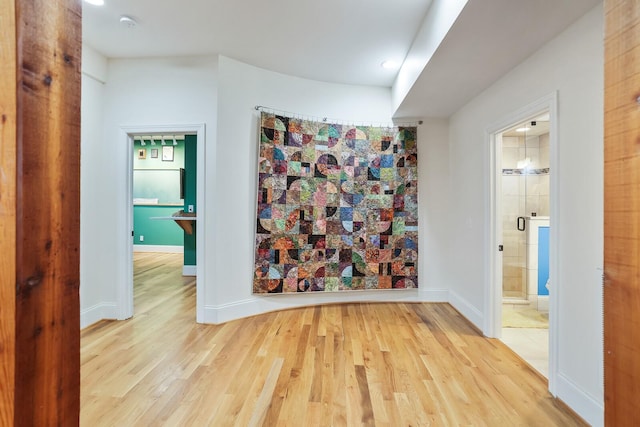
[588, 407]
[209, 315]
[96, 313]
[433, 295]
[266, 303]
[466, 309]
[189, 270]
[159, 248]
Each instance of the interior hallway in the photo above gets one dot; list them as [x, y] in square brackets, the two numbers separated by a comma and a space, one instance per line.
[351, 364]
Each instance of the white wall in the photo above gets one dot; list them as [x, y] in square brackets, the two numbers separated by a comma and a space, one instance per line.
[92, 304]
[433, 204]
[230, 255]
[94, 64]
[572, 64]
[222, 93]
[137, 93]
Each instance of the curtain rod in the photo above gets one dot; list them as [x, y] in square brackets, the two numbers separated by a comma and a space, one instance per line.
[329, 120]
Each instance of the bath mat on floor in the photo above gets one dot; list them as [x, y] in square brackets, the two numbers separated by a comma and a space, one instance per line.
[524, 318]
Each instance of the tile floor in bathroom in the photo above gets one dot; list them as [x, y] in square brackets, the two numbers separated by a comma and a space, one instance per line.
[531, 344]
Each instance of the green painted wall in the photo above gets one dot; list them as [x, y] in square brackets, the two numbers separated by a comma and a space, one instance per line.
[191, 174]
[155, 177]
[156, 232]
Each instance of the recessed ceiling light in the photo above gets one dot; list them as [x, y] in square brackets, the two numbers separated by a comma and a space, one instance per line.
[389, 65]
[127, 21]
[524, 129]
[95, 2]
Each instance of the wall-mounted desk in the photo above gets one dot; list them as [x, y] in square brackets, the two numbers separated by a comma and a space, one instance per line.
[183, 219]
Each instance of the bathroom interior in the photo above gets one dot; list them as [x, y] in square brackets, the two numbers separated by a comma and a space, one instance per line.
[525, 238]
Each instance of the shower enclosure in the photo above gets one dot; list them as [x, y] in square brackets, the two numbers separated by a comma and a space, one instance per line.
[525, 207]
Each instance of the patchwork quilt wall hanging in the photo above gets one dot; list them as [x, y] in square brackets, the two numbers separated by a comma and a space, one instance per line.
[337, 207]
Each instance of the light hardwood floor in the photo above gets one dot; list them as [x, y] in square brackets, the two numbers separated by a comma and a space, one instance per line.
[391, 364]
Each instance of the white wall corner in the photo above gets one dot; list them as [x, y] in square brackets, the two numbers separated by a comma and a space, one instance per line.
[585, 405]
[232, 311]
[209, 315]
[96, 313]
[94, 64]
[467, 309]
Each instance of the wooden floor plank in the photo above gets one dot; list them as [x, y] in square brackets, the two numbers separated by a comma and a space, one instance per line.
[391, 364]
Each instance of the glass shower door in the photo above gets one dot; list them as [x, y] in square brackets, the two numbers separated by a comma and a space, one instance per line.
[525, 195]
[513, 215]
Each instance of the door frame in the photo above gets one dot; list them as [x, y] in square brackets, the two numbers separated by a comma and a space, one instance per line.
[493, 224]
[124, 289]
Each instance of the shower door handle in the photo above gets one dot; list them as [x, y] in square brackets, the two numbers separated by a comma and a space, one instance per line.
[521, 224]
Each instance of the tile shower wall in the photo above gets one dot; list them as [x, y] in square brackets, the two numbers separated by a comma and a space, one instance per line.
[524, 192]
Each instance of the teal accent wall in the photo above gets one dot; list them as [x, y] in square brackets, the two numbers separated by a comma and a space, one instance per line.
[156, 232]
[155, 178]
[191, 176]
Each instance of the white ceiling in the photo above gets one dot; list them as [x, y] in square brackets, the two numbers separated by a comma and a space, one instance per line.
[341, 41]
[489, 38]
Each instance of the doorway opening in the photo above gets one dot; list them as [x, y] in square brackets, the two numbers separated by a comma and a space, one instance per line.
[520, 288]
[164, 188]
[180, 193]
[159, 169]
[525, 217]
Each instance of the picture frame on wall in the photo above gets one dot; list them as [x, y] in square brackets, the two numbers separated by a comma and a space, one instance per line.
[167, 153]
[142, 153]
[154, 153]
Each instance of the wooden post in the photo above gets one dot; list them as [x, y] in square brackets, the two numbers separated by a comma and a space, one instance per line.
[40, 55]
[8, 125]
[622, 213]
